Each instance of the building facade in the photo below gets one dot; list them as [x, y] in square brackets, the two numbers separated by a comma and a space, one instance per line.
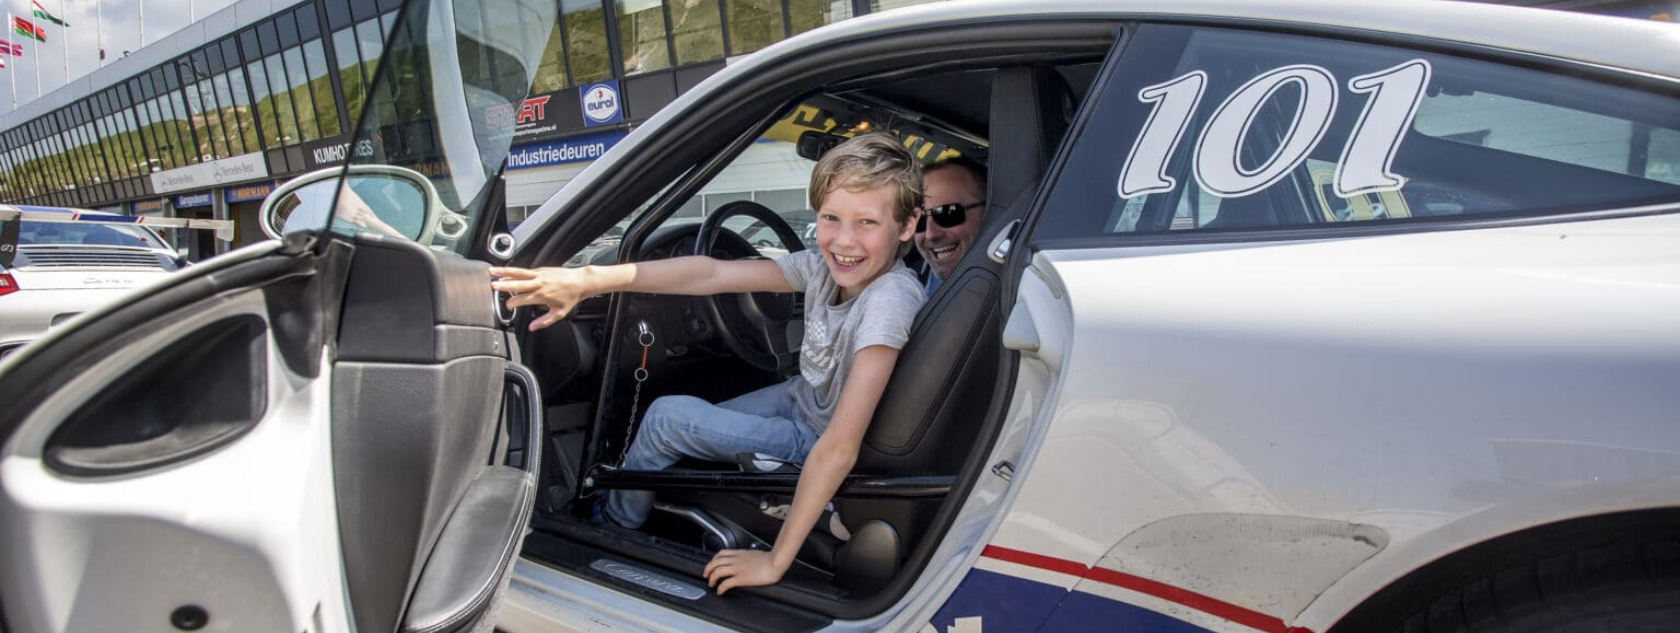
[206, 122]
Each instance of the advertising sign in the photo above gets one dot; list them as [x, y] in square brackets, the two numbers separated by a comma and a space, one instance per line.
[249, 192]
[528, 118]
[204, 175]
[189, 200]
[602, 104]
[570, 150]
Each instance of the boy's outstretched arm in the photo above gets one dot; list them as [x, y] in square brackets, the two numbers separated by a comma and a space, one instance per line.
[825, 469]
[562, 288]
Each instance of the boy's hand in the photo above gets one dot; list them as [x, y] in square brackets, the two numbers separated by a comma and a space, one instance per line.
[733, 568]
[560, 289]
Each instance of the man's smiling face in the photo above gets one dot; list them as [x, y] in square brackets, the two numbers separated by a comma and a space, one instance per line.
[943, 247]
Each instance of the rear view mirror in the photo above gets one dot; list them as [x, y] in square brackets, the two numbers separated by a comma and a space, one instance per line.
[812, 145]
[381, 199]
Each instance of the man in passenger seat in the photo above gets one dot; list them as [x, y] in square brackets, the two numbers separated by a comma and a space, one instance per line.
[861, 301]
[954, 197]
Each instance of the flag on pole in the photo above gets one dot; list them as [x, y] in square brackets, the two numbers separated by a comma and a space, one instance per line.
[41, 12]
[8, 48]
[27, 29]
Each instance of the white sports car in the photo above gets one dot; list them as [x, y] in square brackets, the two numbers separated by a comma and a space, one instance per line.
[53, 267]
[1285, 316]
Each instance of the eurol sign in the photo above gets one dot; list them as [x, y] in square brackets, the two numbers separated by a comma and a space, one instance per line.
[602, 104]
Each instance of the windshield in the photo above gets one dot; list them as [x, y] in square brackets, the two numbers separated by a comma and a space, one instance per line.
[440, 104]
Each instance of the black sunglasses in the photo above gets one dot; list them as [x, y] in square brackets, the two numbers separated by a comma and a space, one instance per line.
[947, 215]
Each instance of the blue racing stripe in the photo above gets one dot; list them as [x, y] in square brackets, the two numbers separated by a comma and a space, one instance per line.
[1086, 612]
[1009, 604]
[1005, 603]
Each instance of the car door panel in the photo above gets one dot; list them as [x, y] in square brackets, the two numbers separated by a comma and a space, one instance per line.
[418, 391]
[88, 550]
[210, 481]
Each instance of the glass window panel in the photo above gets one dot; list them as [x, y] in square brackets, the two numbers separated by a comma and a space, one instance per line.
[338, 15]
[216, 124]
[195, 106]
[162, 142]
[804, 15]
[228, 114]
[308, 26]
[753, 24]
[284, 112]
[641, 31]
[551, 71]
[696, 30]
[385, 23]
[350, 77]
[243, 112]
[319, 87]
[298, 86]
[1662, 156]
[586, 41]
[214, 55]
[181, 127]
[268, 37]
[286, 26]
[363, 9]
[268, 124]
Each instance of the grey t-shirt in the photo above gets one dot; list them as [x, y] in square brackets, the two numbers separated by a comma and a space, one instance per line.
[881, 315]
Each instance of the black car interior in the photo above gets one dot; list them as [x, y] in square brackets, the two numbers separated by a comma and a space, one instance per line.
[934, 420]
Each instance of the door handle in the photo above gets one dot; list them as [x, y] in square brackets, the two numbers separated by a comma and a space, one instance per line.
[521, 376]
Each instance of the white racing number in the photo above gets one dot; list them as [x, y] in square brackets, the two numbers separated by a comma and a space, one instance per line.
[1366, 161]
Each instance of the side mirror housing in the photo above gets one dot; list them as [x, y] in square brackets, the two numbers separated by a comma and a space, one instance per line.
[383, 199]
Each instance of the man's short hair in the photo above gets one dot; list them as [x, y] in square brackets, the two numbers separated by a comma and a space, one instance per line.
[867, 162]
[960, 161]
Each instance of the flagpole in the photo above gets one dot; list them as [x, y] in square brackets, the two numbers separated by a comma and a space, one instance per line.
[142, 24]
[99, 28]
[66, 44]
[13, 75]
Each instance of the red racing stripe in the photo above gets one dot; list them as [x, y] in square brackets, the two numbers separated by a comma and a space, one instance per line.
[1211, 606]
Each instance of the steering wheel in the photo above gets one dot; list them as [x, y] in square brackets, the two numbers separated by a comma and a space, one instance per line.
[754, 325]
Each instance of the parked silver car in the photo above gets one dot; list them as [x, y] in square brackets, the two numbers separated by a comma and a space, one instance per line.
[1305, 316]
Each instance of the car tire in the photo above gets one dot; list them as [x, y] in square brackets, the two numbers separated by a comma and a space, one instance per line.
[1623, 587]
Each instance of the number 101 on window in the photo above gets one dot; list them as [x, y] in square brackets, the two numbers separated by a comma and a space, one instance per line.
[1366, 159]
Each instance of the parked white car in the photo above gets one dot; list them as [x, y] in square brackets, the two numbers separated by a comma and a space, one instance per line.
[1306, 316]
[61, 267]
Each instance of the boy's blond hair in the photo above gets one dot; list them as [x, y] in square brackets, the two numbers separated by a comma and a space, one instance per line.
[866, 162]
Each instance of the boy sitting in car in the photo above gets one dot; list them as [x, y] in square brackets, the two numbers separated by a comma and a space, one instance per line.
[860, 300]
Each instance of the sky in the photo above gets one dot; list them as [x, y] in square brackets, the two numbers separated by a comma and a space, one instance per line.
[121, 31]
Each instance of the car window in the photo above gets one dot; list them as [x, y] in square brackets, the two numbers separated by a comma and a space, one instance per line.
[64, 234]
[1211, 129]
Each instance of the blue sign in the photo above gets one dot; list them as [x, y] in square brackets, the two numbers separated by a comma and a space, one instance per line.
[189, 200]
[570, 150]
[602, 103]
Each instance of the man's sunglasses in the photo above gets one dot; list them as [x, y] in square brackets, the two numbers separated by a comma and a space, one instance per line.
[947, 215]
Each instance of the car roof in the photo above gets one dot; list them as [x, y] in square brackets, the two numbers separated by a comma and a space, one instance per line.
[1646, 46]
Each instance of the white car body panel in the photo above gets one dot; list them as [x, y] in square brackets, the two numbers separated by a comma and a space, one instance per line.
[1495, 356]
[264, 548]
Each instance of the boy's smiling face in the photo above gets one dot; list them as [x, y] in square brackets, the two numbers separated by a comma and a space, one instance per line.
[858, 237]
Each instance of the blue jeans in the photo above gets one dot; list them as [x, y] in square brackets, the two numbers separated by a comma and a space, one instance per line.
[675, 427]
